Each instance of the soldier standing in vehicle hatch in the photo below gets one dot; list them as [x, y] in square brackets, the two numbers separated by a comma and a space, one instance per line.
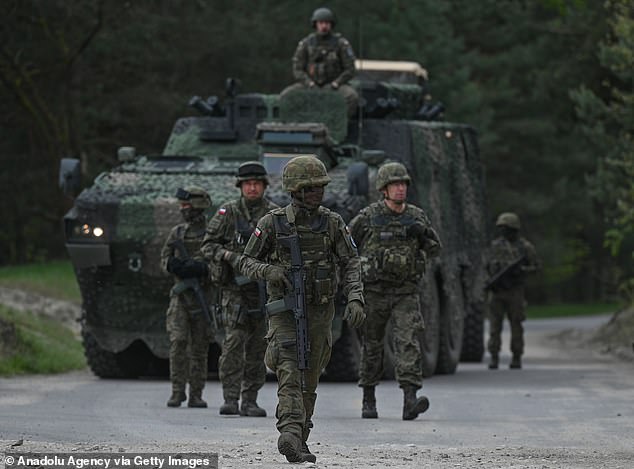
[327, 253]
[189, 331]
[395, 240]
[325, 60]
[241, 365]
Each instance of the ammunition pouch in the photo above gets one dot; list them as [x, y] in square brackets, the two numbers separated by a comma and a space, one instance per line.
[219, 272]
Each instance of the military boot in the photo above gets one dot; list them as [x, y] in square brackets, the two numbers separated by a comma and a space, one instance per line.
[412, 405]
[516, 362]
[306, 454]
[176, 398]
[196, 400]
[251, 409]
[230, 407]
[368, 409]
[291, 446]
[495, 360]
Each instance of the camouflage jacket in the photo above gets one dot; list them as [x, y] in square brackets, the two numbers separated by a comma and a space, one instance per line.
[323, 59]
[230, 230]
[503, 252]
[192, 236]
[327, 251]
[394, 247]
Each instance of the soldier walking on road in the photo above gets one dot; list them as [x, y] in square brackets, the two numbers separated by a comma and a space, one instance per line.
[188, 328]
[325, 60]
[326, 253]
[241, 365]
[509, 259]
[395, 240]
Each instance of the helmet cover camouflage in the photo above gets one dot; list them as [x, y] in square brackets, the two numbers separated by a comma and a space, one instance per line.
[323, 14]
[391, 172]
[508, 219]
[196, 196]
[251, 170]
[304, 171]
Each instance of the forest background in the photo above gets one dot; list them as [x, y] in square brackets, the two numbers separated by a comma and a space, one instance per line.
[548, 84]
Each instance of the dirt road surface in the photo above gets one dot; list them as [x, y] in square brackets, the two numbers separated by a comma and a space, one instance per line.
[568, 408]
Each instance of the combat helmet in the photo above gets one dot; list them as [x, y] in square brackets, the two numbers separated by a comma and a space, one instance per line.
[323, 14]
[196, 196]
[304, 171]
[508, 219]
[251, 170]
[391, 172]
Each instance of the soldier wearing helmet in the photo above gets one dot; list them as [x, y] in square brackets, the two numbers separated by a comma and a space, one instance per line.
[395, 240]
[327, 253]
[189, 332]
[325, 60]
[241, 365]
[509, 259]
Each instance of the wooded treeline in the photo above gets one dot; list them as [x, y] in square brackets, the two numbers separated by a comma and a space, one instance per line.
[547, 83]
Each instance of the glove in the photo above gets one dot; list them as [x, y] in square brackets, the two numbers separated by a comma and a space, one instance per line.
[277, 274]
[175, 265]
[334, 85]
[231, 258]
[192, 269]
[354, 314]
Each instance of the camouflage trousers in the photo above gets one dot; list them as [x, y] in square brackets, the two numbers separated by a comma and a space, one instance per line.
[241, 365]
[189, 336]
[407, 324]
[295, 408]
[348, 93]
[509, 303]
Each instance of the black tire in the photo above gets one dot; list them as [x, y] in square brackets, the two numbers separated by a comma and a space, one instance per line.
[451, 326]
[106, 364]
[345, 357]
[430, 306]
[473, 336]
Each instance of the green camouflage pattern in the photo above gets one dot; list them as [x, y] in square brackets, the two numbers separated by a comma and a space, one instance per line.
[304, 171]
[326, 247]
[323, 59]
[125, 292]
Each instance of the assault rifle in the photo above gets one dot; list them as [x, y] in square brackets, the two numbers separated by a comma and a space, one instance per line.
[296, 302]
[499, 277]
[194, 285]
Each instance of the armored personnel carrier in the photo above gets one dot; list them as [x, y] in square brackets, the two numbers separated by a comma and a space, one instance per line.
[117, 226]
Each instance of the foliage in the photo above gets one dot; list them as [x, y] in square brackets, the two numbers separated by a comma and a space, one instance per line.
[119, 73]
[608, 124]
[54, 279]
[43, 346]
[569, 309]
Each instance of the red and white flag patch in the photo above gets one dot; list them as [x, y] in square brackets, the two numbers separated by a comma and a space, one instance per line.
[222, 210]
[257, 232]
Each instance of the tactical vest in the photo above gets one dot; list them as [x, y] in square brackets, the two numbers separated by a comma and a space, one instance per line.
[243, 231]
[323, 60]
[192, 240]
[317, 246]
[391, 254]
[503, 252]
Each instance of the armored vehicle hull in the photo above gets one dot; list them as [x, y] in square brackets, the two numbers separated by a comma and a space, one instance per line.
[116, 229]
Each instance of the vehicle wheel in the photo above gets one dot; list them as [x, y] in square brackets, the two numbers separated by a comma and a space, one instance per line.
[345, 357]
[451, 326]
[106, 364]
[430, 305]
[473, 336]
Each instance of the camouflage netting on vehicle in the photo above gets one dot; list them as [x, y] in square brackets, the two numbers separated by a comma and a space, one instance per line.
[326, 107]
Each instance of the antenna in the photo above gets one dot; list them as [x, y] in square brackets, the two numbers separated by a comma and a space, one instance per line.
[359, 104]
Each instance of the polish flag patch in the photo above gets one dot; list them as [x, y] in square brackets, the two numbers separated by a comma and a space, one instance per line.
[222, 210]
[257, 232]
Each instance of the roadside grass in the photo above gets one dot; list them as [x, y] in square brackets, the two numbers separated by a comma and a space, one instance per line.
[570, 309]
[42, 346]
[54, 279]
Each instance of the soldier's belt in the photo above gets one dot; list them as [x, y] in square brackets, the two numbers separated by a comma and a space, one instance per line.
[242, 280]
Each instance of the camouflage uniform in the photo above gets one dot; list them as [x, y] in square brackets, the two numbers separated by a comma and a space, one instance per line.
[507, 299]
[321, 60]
[188, 329]
[241, 364]
[328, 254]
[393, 261]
